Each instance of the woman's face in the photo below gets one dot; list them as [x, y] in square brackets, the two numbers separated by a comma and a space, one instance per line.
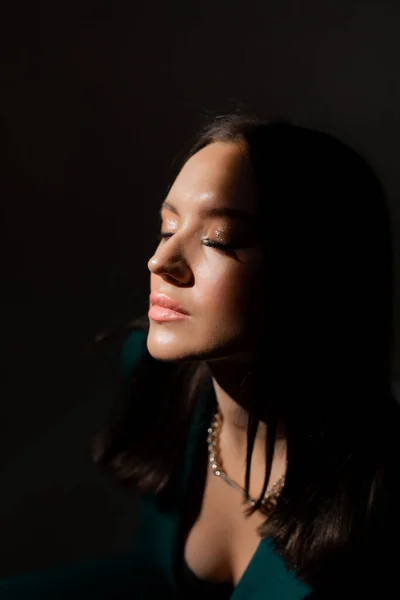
[220, 289]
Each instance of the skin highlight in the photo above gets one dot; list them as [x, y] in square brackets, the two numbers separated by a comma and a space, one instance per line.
[219, 288]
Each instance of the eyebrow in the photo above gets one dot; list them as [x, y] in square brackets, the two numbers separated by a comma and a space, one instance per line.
[210, 212]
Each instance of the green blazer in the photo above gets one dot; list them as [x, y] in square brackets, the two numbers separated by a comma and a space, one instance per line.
[157, 554]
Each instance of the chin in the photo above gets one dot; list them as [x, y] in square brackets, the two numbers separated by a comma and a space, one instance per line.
[166, 346]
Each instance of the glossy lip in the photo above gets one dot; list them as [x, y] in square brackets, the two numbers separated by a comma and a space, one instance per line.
[165, 302]
[162, 315]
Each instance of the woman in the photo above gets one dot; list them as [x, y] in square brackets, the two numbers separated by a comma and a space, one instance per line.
[257, 422]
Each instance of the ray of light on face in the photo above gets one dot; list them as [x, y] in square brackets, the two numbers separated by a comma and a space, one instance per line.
[211, 202]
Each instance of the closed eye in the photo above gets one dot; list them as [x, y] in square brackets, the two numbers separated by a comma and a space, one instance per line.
[206, 242]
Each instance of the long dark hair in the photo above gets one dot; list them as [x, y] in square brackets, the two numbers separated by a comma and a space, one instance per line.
[325, 354]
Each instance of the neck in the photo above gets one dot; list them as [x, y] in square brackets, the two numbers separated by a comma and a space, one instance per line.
[233, 395]
[233, 391]
[234, 414]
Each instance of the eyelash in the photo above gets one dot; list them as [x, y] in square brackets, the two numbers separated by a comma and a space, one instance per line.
[210, 243]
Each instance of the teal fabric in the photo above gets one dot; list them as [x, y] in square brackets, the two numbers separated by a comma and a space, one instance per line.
[120, 577]
[153, 564]
[158, 539]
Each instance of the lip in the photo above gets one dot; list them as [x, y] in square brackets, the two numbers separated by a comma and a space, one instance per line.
[172, 309]
[161, 314]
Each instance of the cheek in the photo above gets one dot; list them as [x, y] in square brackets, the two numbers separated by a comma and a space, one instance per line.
[234, 292]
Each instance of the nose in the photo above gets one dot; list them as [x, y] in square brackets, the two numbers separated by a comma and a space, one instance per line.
[169, 264]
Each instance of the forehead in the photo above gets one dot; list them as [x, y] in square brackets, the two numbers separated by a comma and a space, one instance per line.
[219, 174]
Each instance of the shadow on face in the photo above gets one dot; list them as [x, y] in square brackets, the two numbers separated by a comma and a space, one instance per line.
[208, 260]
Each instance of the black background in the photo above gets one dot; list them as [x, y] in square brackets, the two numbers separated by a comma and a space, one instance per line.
[97, 100]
